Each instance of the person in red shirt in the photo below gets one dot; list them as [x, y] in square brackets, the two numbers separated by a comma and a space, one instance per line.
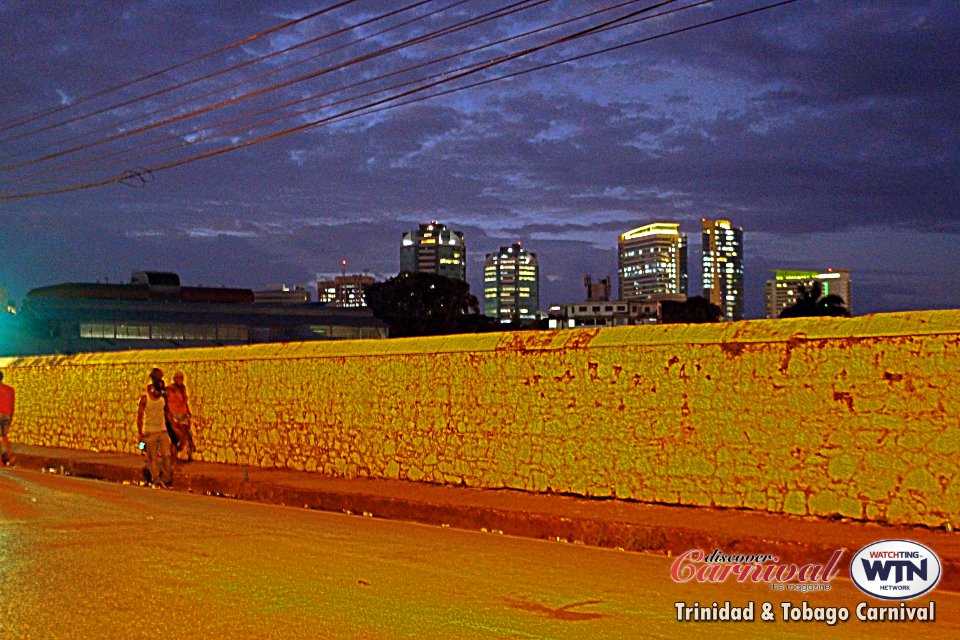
[178, 411]
[7, 402]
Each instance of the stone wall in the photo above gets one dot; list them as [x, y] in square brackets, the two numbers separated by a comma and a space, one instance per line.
[851, 417]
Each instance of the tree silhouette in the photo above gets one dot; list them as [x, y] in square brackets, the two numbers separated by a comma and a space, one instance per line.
[693, 310]
[810, 302]
[424, 304]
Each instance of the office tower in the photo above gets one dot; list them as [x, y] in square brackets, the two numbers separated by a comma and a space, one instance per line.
[433, 248]
[723, 266]
[784, 288]
[652, 261]
[344, 291]
[511, 284]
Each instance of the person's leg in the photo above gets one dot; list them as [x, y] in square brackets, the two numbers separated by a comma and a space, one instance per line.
[154, 447]
[166, 460]
[146, 460]
[172, 435]
[180, 431]
[4, 442]
[190, 446]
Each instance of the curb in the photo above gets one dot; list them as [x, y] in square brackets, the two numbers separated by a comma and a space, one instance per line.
[608, 532]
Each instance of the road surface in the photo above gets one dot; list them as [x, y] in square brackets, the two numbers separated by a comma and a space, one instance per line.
[86, 559]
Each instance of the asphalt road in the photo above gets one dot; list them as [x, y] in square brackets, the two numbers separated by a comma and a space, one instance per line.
[86, 559]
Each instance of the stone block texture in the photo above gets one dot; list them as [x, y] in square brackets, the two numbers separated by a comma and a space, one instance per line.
[856, 417]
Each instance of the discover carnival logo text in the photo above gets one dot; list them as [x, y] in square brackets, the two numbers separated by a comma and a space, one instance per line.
[888, 569]
[719, 567]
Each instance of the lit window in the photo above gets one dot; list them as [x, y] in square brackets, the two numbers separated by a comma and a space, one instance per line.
[97, 330]
[133, 331]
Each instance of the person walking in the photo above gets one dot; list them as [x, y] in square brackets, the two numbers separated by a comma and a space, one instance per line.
[7, 401]
[178, 409]
[152, 429]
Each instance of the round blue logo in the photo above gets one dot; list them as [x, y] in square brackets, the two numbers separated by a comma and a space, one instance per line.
[895, 569]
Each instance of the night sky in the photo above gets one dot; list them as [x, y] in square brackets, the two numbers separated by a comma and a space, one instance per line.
[827, 130]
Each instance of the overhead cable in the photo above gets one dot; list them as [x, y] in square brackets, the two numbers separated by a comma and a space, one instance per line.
[410, 96]
[102, 92]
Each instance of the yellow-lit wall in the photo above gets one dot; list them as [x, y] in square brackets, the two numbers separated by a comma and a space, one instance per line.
[853, 417]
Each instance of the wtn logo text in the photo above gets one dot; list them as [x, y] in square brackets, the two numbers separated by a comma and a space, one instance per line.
[895, 569]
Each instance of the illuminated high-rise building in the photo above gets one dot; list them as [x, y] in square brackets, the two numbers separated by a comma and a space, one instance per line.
[723, 266]
[652, 260]
[344, 291]
[784, 289]
[433, 248]
[511, 284]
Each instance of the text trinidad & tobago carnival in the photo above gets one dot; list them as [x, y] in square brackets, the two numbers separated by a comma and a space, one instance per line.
[718, 567]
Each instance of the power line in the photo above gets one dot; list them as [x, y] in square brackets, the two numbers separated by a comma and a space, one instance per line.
[173, 67]
[496, 60]
[398, 99]
[206, 76]
[271, 72]
[312, 98]
[571, 59]
[373, 107]
[516, 7]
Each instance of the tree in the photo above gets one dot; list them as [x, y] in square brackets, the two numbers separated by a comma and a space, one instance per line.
[424, 304]
[693, 310]
[810, 302]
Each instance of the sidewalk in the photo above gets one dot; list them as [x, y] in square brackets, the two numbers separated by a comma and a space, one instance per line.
[668, 530]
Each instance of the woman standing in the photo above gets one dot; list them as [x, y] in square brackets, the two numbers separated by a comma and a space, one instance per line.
[178, 409]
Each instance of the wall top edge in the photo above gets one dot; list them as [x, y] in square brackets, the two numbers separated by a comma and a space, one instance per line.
[904, 324]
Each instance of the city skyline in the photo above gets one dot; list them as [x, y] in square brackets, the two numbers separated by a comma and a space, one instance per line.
[442, 252]
[842, 157]
[410, 241]
[345, 289]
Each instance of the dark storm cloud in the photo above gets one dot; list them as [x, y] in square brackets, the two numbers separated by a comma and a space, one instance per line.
[882, 50]
[813, 122]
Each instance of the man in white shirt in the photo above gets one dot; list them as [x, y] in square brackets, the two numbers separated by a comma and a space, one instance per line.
[152, 429]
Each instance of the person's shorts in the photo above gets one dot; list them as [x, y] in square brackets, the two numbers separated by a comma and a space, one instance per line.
[4, 424]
